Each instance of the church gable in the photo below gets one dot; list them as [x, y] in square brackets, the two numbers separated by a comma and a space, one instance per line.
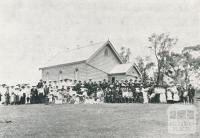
[133, 72]
[105, 59]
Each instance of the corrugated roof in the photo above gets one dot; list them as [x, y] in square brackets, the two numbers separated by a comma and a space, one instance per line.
[121, 68]
[74, 55]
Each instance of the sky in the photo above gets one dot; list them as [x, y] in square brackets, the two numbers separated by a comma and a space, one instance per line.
[32, 31]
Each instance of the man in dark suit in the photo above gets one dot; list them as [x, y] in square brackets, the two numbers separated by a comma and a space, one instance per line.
[191, 93]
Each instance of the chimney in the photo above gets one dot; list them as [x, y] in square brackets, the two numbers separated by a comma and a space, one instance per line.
[91, 42]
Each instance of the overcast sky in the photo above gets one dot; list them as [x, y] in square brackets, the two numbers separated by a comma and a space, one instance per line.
[31, 31]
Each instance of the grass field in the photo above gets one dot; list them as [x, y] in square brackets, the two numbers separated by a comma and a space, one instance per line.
[93, 121]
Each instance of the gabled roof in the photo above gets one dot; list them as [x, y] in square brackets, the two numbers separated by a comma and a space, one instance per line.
[80, 54]
[123, 68]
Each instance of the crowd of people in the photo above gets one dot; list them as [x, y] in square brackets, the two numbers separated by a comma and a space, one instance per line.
[76, 92]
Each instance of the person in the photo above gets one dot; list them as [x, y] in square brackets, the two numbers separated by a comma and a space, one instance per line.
[46, 90]
[180, 92]
[104, 85]
[176, 97]
[169, 96]
[34, 95]
[185, 96]
[7, 96]
[65, 83]
[12, 98]
[61, 84]
[22, 95]
[140, 94]
[40, 84]
[3, 92]
[40, 92]
[163, 98]
[78, 87]
[28, 94]
[145, 95]
[54, 84]
[17, 93]
[191, 94]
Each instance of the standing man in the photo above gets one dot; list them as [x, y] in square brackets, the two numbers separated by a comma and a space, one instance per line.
[191, 94]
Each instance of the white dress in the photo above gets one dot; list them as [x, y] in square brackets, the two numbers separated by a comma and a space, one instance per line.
[144, 92]
[3, 97]
[176, 97]
[163, 98]
[169, 95]
[12, 98]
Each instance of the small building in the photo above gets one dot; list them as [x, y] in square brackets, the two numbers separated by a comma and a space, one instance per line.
[96, 61]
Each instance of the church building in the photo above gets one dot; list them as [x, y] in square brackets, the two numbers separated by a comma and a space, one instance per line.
[96, 61]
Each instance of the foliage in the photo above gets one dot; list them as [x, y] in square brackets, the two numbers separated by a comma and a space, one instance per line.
[161, 45]
[125, 54]
[144, 65]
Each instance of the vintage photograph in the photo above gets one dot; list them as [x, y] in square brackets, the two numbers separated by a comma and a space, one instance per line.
[100, 69]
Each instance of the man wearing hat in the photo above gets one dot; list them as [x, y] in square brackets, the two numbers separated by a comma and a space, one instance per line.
[17, 91]
[78, 87]
[65, 83]
[191, 93]
[28, 94]
[90, 87]
[23, 95]
[34, 95]
[104, 85]
[40, 84]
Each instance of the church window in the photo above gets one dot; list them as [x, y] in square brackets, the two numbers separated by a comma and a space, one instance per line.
[106, 52]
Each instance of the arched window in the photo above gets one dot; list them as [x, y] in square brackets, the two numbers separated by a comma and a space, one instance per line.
[106, 52]
[60, 75]
[76, 73]
[47, 77]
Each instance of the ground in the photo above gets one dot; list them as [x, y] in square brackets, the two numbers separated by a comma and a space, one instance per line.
[93, 121]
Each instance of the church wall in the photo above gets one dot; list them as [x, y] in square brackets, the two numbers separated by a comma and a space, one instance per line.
[105, 62]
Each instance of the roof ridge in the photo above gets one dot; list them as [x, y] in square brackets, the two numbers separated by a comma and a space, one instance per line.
[89, 45]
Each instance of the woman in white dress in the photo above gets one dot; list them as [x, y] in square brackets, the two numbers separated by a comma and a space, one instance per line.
[176, 97]
[169, 96]
[3, 94]
[163, 98]
[144, 93]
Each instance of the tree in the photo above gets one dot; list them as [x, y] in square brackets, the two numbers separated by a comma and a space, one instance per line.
[144, 65]
[191, 64]
[173, 66]
[125, 54]
[161, 45]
